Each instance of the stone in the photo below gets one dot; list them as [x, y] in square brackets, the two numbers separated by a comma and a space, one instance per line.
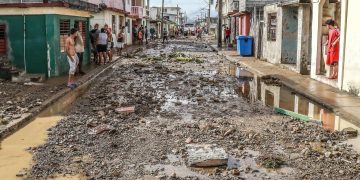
[351, 132]
[188, 140]
[327, 154]
[235, 172]
[130, 109]
[294, 156]
[206, 155]
[228, 132]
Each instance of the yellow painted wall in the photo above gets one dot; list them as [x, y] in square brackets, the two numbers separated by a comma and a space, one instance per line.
[44, 10]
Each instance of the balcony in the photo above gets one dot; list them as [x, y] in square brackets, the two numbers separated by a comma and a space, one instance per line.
[137, 11]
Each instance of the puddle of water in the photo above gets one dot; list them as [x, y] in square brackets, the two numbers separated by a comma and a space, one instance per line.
[251, 88]
[13, 154]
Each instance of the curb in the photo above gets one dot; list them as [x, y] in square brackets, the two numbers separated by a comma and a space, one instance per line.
[84, 82]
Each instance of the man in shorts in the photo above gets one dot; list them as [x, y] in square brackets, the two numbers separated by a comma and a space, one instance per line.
[72, 58]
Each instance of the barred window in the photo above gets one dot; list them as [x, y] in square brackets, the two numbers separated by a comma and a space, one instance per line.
[64, 33]
[3, 45]
[272, 24]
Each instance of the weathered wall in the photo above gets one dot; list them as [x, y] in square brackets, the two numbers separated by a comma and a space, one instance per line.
[304, 40]
[42, 43]
[352, 53]
[272, 49]
[289, 35]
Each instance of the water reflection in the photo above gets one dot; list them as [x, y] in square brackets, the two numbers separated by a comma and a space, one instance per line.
[253, 89]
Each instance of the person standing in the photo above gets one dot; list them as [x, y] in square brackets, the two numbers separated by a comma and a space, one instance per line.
[152, 33]
[165, 36]
[94, 33]
[333, 48]
[110, 44]
[140, 36]
[146, 32]
[79, 49]
[120, 41]
[227, 35]
[72, 58]
[102, 46]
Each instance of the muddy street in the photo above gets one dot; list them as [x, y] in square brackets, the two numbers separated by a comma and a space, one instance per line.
[174, 111]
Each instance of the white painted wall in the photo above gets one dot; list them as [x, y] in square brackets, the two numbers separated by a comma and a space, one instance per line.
[351, 53]
[272, 49]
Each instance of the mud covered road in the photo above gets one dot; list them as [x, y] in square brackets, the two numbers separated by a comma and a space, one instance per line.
[184, 94]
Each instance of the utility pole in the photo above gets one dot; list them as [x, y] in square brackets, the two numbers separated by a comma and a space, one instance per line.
[220, 24]
[177, 15]
[162, 20]
[208, 19]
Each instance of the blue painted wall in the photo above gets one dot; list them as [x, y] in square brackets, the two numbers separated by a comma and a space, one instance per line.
[289, 35]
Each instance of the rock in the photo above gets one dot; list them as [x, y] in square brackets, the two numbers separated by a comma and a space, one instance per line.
[228, 132]
[173, 175]
[21, 173]
[294, 156]
[341, 172]
[188, 140]
[351, 132]
[235, 172]
[100, 129]
[206, 155]
[130, 109]
[327, 154]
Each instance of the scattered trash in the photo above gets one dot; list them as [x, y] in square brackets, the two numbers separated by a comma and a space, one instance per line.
[100, 129]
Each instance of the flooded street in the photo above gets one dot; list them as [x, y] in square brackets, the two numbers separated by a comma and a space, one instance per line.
[180, 111]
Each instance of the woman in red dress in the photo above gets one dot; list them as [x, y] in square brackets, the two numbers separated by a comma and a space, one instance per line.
[333, 48]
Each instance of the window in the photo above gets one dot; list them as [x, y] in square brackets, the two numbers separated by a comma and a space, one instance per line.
[272, 23]
[3, 39]
[81, 27]
[128, 25]
[64, 33]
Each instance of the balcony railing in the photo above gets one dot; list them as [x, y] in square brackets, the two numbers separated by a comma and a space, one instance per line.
[137, 11]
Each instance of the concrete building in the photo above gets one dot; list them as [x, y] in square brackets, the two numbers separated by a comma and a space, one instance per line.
[286, 35]
[344, 13]
[172, 18]
[251, 21]
[229, 8]
[113, 13]
[32, 35]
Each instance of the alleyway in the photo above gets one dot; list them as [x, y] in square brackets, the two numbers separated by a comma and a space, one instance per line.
[141, 119]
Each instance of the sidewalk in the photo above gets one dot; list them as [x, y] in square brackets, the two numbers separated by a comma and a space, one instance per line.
[341, 103]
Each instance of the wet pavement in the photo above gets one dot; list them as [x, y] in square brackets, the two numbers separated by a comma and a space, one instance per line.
[184, 93]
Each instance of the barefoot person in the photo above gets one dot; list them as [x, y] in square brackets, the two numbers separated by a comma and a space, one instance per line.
[71, 57]
[333, 48]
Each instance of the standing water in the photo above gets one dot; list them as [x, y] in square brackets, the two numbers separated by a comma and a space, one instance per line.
[15, 157]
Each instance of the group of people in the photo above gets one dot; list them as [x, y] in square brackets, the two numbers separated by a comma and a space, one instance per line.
[141, 34]
[103, 43]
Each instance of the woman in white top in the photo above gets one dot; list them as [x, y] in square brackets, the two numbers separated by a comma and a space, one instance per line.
[79, 49]
[102, 45]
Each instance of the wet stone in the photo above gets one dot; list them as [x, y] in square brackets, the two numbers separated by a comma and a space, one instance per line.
[206, 155]
[351, 132]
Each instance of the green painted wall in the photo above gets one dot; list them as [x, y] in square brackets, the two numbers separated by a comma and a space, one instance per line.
[15, 41]
[35, 44]
[42, 43]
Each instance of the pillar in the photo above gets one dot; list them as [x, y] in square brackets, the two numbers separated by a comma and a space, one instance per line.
[303, 51]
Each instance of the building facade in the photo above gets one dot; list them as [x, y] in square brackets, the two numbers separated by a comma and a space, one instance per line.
[34, 34]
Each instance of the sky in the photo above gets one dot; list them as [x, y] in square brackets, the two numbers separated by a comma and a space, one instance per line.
[192, 7]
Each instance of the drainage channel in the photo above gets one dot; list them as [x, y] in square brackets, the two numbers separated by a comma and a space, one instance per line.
[15, 156]
[275, 95]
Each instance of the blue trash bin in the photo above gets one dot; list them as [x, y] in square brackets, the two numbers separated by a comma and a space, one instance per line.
[245, 45]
